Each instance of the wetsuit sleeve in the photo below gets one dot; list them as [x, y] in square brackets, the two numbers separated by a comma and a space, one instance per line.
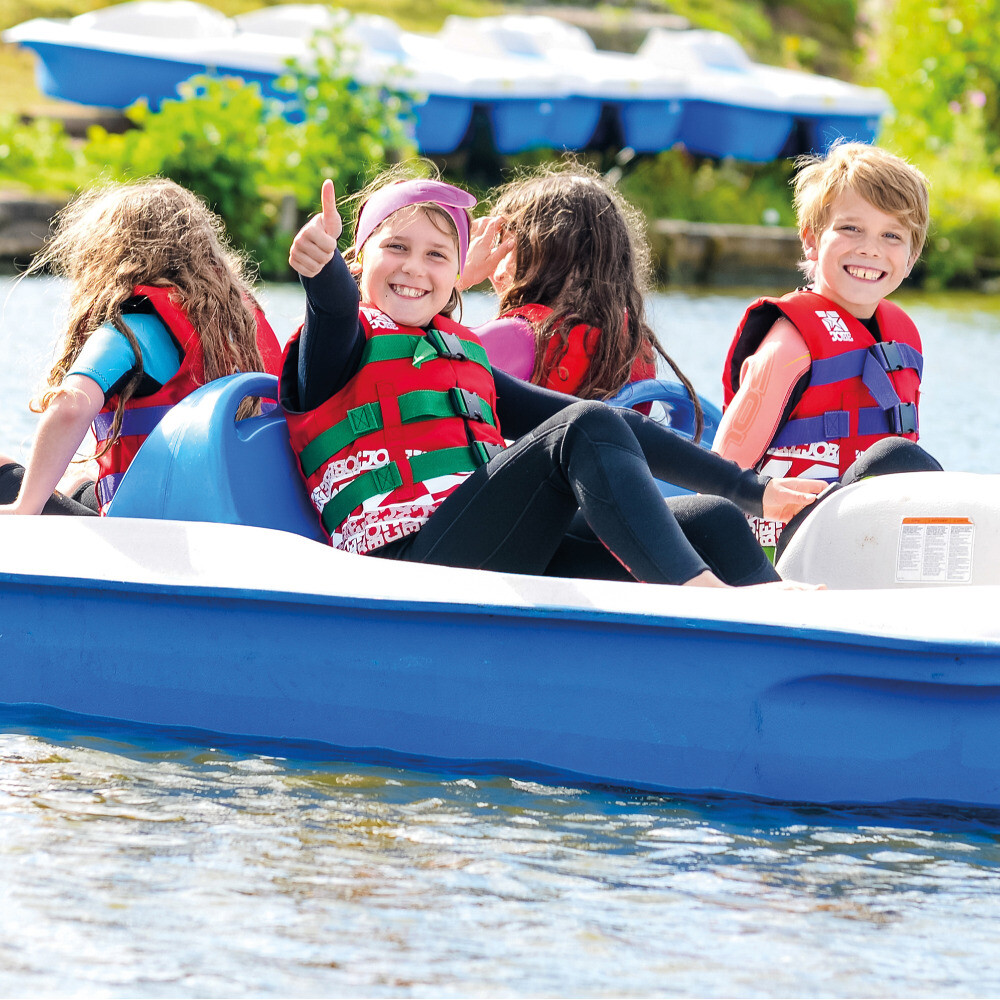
[522, 406]
[672, 458]
[676, 460]
[108, 359]
[328, 351]
[767, 380]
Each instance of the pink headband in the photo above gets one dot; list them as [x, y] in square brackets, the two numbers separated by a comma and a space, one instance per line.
[393, 197]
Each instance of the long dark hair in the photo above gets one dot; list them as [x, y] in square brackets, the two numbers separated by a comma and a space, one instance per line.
[580, 250]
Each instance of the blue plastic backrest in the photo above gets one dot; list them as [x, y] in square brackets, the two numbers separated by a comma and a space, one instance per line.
[201, 464]
[679, 414]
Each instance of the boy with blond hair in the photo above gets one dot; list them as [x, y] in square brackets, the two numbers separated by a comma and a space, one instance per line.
[817, 376]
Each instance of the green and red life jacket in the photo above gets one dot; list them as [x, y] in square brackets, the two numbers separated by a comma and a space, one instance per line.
[416, 419]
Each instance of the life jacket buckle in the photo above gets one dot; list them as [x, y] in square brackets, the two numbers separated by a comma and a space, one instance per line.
[467, 404]
[485, 451]
[447, 345]
[904, 418]
[889, 356]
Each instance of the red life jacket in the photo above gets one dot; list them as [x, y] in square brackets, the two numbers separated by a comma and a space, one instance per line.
[859, 391]
[567, 367]
[143, 413]
[418, 417]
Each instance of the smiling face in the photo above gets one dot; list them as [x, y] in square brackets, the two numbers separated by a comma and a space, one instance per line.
[409, 267]
[861, 256]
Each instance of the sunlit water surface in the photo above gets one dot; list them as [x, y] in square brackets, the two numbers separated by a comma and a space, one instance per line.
[139, 865]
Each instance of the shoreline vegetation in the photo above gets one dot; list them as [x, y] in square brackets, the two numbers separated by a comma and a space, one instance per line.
[710, 254]
[710, 222]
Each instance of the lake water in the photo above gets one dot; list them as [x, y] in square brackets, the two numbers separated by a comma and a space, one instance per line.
[138, 866]
[961, 345]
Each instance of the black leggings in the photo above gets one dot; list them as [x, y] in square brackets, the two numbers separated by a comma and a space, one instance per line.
[83, 501]
[515, 514]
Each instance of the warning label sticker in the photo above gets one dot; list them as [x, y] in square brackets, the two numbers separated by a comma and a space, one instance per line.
[935, 550]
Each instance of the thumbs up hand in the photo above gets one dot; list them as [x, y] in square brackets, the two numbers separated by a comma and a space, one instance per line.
[316, 242]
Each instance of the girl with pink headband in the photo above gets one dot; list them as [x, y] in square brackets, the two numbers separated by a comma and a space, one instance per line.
[395, 415]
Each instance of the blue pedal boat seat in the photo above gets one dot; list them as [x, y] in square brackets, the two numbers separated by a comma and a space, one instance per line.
[677, 405]
[202, 464]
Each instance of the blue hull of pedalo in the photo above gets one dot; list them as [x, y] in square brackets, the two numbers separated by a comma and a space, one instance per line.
[671, 704]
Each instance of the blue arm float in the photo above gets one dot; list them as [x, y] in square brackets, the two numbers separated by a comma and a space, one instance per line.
[201, 464]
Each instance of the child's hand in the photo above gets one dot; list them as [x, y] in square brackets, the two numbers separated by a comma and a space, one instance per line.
[784, 498]
[486, 250]
[314, 246]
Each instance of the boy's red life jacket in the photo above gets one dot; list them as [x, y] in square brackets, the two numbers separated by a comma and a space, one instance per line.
[416, 419]
[859, 391]
[567, 368]
[143, 413]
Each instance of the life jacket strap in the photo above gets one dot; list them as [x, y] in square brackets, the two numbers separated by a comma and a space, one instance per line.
[106, 487]
[829, 426]
[137, 421]
[889, 356]
[434, 344]
[900, 419]
[836, 424]
[872, 364]
[421, 404]
[386, 478]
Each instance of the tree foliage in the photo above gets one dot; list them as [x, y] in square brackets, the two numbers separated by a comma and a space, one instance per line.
[38, 156]
[940, 64]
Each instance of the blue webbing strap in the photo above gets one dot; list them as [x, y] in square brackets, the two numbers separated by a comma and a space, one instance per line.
[825, 371]
[889, 357]
[829, 426]
[106, 487]
[139, 421]
[835, 424]
[900, 419]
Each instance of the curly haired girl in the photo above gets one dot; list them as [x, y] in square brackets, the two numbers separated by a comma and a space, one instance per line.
[159, 304]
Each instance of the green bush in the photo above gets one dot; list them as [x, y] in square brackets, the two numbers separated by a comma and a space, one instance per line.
[941, 67]
[39, 155]
[343, 130]
[674, 185]
[211, 140]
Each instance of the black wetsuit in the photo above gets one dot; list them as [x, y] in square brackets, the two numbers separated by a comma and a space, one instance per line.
[520, 512]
